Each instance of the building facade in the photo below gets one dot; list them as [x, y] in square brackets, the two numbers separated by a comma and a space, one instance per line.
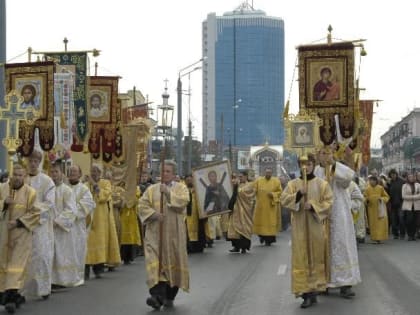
[243, 78]
[401, 143]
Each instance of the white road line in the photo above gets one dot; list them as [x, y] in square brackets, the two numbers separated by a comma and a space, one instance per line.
[282, 270]
[290, 243]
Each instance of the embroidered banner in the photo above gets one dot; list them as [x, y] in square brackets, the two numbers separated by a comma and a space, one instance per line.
[326, 87]
[104, 114]
[366, 116]
[76, 63]
[35, 82]
[64, 108]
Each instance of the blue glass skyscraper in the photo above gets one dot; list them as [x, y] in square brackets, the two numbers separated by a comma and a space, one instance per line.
[243, 78]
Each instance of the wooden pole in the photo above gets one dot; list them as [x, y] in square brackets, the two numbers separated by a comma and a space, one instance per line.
[305, 199]
[162, 164]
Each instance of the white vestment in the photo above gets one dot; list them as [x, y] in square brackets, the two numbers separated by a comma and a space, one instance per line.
[40, 268]
[65, 269]
[85, 206]
[344, 259]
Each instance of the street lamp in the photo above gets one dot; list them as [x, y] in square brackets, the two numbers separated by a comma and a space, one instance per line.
[179, 115]
[235, 107]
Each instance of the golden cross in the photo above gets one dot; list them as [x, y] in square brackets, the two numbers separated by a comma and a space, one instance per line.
[12, 113]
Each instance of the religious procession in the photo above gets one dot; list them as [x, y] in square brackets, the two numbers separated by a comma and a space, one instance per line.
[95, 196]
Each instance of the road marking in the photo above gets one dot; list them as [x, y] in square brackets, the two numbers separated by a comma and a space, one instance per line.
[290, 243]
[282, 270]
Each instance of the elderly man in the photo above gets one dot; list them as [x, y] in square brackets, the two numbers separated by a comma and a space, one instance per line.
[18, 218]
[165, 238]
[40, 271]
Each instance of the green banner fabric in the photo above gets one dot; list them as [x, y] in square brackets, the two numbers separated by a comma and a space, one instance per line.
[76, 63]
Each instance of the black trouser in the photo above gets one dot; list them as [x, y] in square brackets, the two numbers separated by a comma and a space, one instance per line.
[164, 291]
[9, 296]
[241, 243]
[127, 253]
[411, 223]
[267, 239]
[398, 222]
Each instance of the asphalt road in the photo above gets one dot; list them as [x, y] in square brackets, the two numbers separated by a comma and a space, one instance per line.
[257, 283]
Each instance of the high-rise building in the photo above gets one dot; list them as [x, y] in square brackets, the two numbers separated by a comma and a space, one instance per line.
[243, 78]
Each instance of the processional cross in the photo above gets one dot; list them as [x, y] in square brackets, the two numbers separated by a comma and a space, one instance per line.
[12, 113]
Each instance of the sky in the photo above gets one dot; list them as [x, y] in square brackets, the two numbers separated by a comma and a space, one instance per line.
[148, 41]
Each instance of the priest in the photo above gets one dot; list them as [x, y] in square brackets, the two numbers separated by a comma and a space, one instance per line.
[40, 271]
[240, 220]
[165, 238]
[344, 269]
[102, 243]
[309, 206]
[266, 216]
[18, 218]
[65, 271]
[84, 211]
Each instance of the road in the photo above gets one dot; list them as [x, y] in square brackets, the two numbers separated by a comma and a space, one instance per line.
[257, 283]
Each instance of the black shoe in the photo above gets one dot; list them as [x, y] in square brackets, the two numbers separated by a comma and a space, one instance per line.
[45, 297]
[154, 302]
[261, 240]
[234, 250]
[361, 240]
[243, 251]
[10, 307]
[20, 300]
[346, 292]
[306, 302]
[314, 299]
[111, 269]
[87, 273]
[168, 303]
[411, 239]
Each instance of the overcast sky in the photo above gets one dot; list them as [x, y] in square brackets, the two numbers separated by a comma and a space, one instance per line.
[147, 41]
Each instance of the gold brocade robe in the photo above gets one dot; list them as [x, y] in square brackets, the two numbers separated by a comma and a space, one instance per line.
[266, 215]
[130, 232]
[240, 220]
[117, 202]
[309, 239]
[192, 220]
[16, 244]
[103, 240]
[378, 226]
[174, 260]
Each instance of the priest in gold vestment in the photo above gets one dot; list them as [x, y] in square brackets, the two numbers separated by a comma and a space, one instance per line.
[266, 215]
[167, 267]
[240, 220]
[309, 207]
[378, 224]
[102, 246]
[197, 229]
[18, 217]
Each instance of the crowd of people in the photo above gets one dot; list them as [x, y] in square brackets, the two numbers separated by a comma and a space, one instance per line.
[57, 228]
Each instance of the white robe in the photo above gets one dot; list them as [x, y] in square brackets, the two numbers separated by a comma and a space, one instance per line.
[85, 206]
[40, 267]
[344, 259]
[65, 269]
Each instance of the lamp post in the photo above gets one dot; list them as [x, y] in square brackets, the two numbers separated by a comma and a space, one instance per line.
[179, 115]
[235, 107]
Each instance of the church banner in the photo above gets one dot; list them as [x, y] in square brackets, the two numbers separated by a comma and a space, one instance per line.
[366, 115]
[64, 108]
[104, 115]
[35, 82]
[326, 87]
[76, 63]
